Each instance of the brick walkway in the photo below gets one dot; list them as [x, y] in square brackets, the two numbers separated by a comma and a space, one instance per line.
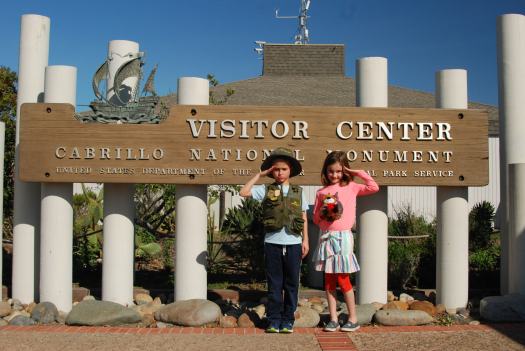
[326, 341]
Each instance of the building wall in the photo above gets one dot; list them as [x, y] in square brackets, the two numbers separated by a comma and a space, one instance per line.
[422, 200]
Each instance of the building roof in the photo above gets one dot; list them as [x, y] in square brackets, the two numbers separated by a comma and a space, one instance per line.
[313, 75]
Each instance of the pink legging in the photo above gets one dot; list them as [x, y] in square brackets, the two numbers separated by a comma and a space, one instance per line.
[332, 279]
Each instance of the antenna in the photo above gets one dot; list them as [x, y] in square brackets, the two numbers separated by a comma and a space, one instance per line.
[302, 36]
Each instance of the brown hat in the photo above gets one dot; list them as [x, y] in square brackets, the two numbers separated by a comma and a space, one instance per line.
[284, 154]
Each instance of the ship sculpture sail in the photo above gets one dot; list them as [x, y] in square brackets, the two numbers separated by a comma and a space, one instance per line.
[125, 105]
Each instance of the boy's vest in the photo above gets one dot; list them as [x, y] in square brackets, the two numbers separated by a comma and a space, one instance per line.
[283, 211]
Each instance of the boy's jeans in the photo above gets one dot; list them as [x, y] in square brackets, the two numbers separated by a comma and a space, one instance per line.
[283, 265]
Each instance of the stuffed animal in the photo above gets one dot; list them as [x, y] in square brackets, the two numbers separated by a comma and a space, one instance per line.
[331, 208]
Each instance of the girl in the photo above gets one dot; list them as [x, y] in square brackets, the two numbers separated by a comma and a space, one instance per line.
[334, 213]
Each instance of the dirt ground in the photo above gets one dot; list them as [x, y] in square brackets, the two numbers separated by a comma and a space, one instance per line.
[504, 338]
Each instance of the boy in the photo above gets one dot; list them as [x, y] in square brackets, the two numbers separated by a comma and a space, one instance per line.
[286, 235]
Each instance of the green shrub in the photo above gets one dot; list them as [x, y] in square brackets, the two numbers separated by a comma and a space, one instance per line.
[406, 255]
[481, 219]
[244, 232]
[486, 259]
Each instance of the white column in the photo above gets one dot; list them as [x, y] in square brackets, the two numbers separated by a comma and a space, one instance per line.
[372, 91]
[511, 72]
[452, 208]
[2, 147]
[34, 49]
[191, 230]
[56, 209]
[119, 209]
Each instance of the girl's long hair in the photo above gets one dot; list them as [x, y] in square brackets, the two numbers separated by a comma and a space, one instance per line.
[336, 157]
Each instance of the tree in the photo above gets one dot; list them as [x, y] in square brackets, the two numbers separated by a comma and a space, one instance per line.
[8, 94]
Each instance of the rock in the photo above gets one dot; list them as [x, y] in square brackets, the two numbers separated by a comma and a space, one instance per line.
[99, 313]
[405, 298]
[306, 317]
[441, 308]
[304, 303]
[390, 296]
[396, 305]
[464, 312]
[21, 320]
[508, 308]
[16, 313]
[377, 305]
[44, 313]
[474, 323]
[5, 309]
[228, 322]
[364, 312]
[142, 299]
[30, 307]
[3, 322]
[192, 313]
[16, 305]
[162, 325]
[451, 310]
[245, 321]
[316, 300]
[260, 310]
[62, 317]
[316, 307]
[88, 298]
[424, 306]
[148, 320]
[157, 301]
[397, 317]
[149, 308]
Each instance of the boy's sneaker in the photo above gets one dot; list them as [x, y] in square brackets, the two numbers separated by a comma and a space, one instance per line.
[273, 328]
[286, 328]
[331, 326]
[350, 327]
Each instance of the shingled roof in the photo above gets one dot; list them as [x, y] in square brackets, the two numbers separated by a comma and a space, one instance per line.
[288, 82]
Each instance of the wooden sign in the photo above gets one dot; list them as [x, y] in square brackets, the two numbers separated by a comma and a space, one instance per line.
[227, 144]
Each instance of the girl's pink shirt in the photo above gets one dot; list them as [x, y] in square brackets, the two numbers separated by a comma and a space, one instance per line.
[347, 196]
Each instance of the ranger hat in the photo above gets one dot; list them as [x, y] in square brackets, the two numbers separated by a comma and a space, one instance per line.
[283, 154]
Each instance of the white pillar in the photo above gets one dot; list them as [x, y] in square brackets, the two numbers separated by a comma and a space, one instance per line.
[119, 209]
[2, 144]
[452, 208]
[34, 49]
[511, 72]
[372, 91]
[56, 211]
[191, 211]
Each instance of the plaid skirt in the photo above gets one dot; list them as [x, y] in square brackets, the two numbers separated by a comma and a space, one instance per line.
[335, 252]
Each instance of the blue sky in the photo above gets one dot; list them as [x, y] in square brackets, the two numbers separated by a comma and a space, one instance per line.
[193, 38]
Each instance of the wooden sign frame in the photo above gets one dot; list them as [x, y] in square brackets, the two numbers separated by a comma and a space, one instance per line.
[226, 144]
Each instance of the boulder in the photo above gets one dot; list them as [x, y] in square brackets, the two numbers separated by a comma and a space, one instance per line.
[260, 310]
[441, 308]
[3, 322]
[396, 305]
[246, 320]
[364, 312]
[378, 305]
[44, 313]
[390, 296]
[5, 309]
[88, 298]
[16, 313]
[99, 313]
[424, 306]
[406, 298]
[508, 308]
[191, 313]
[142, 299]
[21, 320]
[397, 317]
[228, 322]
[306, 317]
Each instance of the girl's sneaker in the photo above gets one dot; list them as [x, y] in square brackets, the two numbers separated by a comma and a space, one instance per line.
[350, 327]
[331, 326]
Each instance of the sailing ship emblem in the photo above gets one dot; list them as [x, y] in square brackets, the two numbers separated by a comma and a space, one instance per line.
[124, 104]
